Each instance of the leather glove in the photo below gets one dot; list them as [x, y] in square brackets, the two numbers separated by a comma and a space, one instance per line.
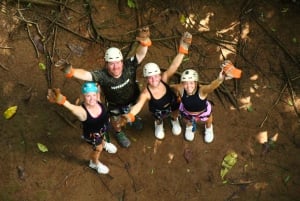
[66, 67]
[230, 70]
[127, 118]
[185, 43]
[143, 36]
[221, 76]
[123, 120]
[54, 96]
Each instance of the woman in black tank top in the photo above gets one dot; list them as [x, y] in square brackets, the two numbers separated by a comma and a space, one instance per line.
[162, 100]
[93, 115]
[194, 106]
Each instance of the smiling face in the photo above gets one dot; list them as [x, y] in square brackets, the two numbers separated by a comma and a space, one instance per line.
[90, 98]
[154, 80]
[115, 68]
[189, 87]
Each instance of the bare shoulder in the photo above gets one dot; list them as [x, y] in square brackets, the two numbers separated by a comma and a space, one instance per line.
[145, 94]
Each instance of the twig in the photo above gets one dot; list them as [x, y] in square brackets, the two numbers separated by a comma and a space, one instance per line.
[290, 88]
[6, 47]
[65, 28]
[127, 166]
[95, 32]
[225, 90]
[65, 119]
[138, 14]
[217, 92]
[28, 31]
[278, 42]
[2, 66]
[30, 22]
[48, 3]
[32, 41]
[275, 103]
[107, 188]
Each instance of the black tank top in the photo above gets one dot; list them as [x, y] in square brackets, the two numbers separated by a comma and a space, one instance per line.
[193, 103]
[164, 102]
[94, 125]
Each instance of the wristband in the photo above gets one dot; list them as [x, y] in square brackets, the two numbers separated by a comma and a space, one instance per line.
[183, 50]
[62, 100]
[131, 117]
[70, 74]
[146, 43]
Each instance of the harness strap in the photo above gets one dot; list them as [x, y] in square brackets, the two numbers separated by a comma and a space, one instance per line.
[203, 116]
[161, 114]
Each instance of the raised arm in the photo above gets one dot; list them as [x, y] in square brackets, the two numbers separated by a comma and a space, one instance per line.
[135, 109]
[55, 96]
[185, 43]
[206, 89]
[69, 71]
[144, 39]
[143, 98]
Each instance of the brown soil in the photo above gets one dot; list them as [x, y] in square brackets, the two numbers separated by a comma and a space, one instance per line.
[268, 52]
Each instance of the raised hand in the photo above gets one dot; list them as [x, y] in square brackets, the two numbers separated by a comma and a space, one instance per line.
[230, 70]
[185, 42]
[144, 36]
[66, 67]
[55, 96]
[127, 118]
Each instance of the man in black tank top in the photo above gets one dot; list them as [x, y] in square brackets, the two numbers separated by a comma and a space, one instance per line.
[117, 81]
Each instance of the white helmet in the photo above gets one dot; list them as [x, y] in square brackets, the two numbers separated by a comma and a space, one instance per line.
[151, 69]
[189, 75]
[113, 54]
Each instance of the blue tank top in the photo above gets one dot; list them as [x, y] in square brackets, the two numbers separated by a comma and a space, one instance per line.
[95, 125]
[193, 103]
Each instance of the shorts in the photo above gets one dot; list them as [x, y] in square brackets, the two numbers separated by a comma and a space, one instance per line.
[200, 117]
[94, 139]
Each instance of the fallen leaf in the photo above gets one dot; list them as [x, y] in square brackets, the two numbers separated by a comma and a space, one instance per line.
[262, 137]
[228, 162]
[42, 66]
[188, 155]
[274, 138]
[10, 112]
[42, 147]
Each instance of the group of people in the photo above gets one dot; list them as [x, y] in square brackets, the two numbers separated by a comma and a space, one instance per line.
[124, 100]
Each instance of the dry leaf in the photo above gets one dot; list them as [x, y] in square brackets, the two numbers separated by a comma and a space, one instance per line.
[262, 137]
[188, 155]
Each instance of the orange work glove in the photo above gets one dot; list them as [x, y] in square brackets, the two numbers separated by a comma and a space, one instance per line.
[143, 37]
[66, 67]
[54, 96]
[185, 42]
[127, 118]
[230, 70]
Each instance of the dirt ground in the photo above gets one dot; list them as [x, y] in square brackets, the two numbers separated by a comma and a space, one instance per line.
[261, 38]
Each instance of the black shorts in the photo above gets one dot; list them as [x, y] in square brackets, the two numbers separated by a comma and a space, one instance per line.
[94, 139]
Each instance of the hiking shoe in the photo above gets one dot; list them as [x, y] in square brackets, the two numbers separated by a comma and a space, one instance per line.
[159, 131]
[110, 148]
[100, 167]
[137, 124]
[122, 139]
[208, 134]
[189, 134]
[176, 128]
